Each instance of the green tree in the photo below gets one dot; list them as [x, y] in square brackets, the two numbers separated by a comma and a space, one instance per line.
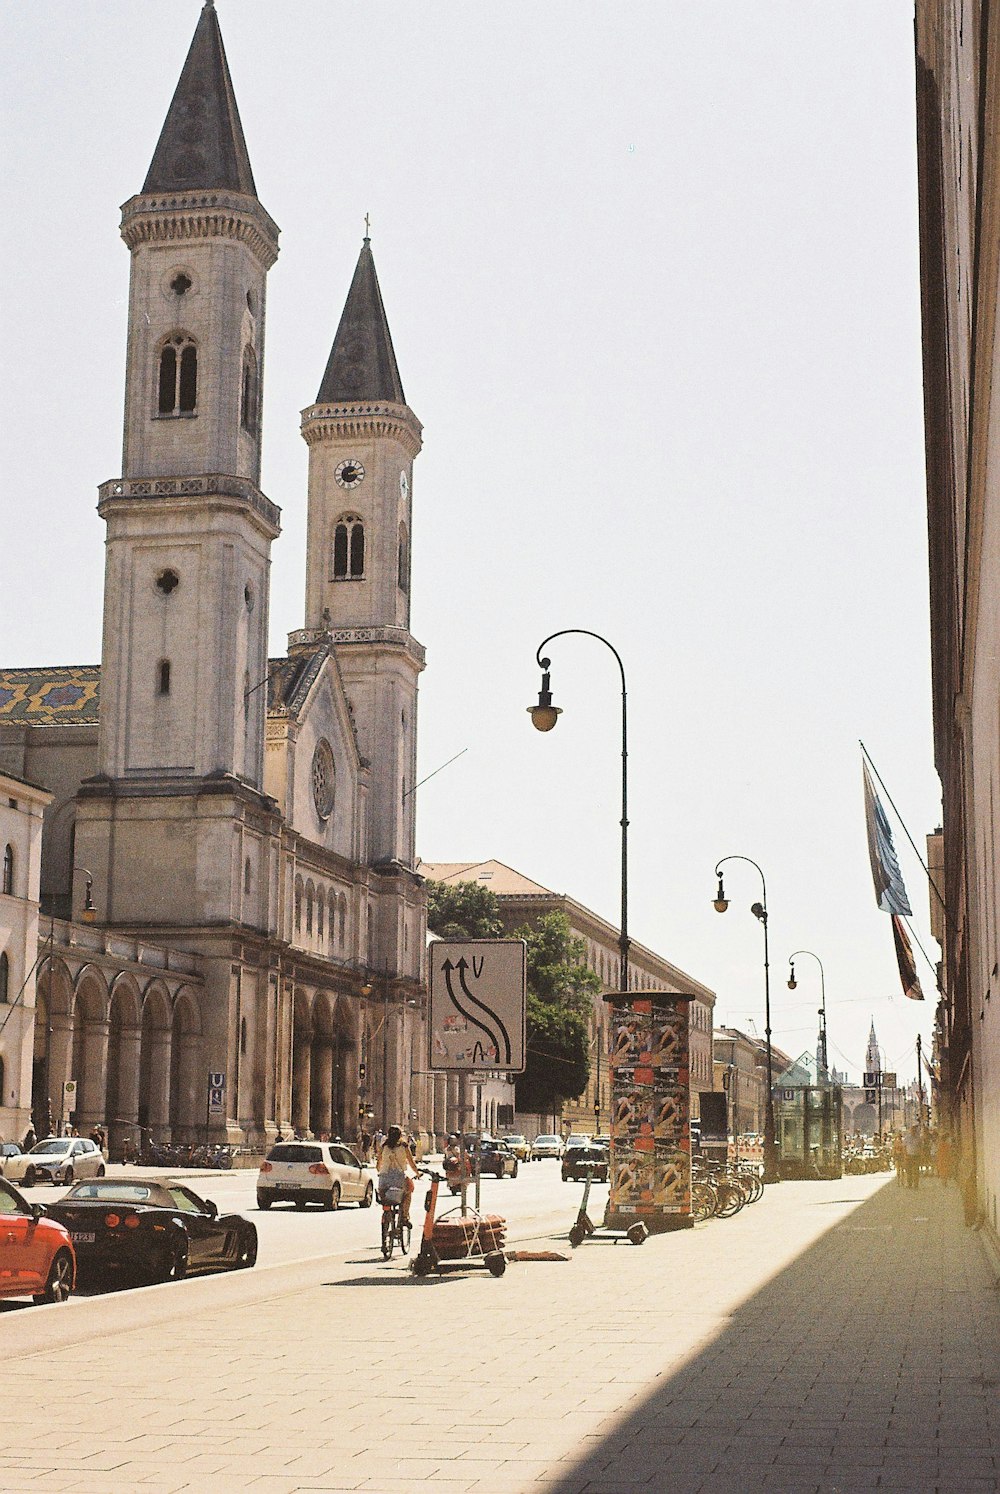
[463, 910]
[561, 991]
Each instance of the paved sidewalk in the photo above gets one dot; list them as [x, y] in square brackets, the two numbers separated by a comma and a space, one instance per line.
[835, 1336]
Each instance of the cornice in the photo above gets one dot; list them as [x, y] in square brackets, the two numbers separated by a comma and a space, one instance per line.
[398, 638]
[177, 216]
[187, 491]
[355, 420]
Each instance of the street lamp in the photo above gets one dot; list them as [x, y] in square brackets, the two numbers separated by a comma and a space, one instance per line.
[792, 983]
[759, 911]
[544, 716]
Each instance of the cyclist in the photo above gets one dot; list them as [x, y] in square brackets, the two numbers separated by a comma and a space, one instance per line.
[394, 1156]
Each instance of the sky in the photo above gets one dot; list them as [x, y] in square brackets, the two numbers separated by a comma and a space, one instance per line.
[651, 272]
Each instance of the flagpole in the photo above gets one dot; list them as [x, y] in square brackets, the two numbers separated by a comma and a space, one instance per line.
[923, 863]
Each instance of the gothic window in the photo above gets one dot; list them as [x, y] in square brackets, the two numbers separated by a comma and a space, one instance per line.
[309, 909]
[178, 379]
[8, 871]
[320, 910]
[4, 977]
[349, 549]
[248, 402]
[333, 917]
[298, 905]
[342, 924]
[403, 562]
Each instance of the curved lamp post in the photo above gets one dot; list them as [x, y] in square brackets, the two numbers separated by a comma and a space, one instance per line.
[759, 911]
[544, 716]
[792, 983]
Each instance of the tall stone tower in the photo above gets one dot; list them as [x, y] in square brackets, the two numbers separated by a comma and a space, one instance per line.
[363, 438]
[188, 529]
[873, 1058]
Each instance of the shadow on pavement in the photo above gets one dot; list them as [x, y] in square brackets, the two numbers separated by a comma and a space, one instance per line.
[869, 1363]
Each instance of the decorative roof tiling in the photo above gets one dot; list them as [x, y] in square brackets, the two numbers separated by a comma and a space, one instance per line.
[67, 695]
[290, 680]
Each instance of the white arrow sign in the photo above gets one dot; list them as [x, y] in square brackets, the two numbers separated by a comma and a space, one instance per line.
[478, 991]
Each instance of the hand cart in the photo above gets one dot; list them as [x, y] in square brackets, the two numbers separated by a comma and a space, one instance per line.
[458, 1241]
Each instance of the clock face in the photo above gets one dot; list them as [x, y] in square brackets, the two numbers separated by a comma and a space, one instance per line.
[350, 474]
[404, 485]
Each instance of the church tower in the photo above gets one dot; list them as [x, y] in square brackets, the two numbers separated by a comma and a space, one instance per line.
[189, 532]
[363, 438]
[873, 1058]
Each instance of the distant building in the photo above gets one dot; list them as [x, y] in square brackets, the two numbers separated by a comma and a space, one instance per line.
[739, 1073]
[523, 901]
[21, 808]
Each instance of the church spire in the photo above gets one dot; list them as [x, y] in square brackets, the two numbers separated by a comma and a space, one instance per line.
[873, 1058]
[201, 146]
[362, 364]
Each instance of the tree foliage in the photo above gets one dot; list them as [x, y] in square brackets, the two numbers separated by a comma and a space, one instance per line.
[561, 991]
[463, 910]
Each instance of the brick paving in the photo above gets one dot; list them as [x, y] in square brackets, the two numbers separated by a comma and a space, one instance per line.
[834, 1337]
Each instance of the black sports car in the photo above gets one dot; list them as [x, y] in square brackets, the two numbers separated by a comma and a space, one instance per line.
[157, 1229]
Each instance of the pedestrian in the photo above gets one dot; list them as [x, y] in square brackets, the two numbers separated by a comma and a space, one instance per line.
[29, 1139]
[279, 1136]
[913, 1145]
[899, 1157]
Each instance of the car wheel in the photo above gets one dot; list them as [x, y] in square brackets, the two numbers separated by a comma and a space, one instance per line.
[300, 1203]
[174, 1262]
[499, 1171]
[262, 1202]
[369, 1197]
[514, 1173]
[246, 1248]
[101, 1170]
[59, 1283]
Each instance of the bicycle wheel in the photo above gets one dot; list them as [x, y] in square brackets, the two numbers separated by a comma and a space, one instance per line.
[388, 1233]
[703, 1201]
[731, 1200]
[404, 1233]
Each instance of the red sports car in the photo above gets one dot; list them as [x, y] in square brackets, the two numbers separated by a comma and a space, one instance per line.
[36, 1253]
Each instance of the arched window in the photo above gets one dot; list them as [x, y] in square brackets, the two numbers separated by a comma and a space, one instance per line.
[298, 905]
[320, 911]
[8, 871]
[403, 564]
[248, 402]
[349, 549]
[309, 909]
[178, 376]
[4, 983]
[342, 926]
[333, 917]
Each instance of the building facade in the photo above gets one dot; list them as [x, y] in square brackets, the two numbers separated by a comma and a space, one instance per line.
[737, 1066]
[958, 126]
[22, 806]
[245, 823]
[522, 902]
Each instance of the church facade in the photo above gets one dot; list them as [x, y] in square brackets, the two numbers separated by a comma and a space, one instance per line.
[228, 862]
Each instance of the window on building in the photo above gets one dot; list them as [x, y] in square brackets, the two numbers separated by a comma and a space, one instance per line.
[320, 911]
[8, 871]
[349, 549]
[309, 909]
[246, 875]
[248, 402]
[243, 1034]
[403, 562]
[163, 678]
[333, 917]
[342, 921]
[298, 905]
[4, 983]
[178, 376]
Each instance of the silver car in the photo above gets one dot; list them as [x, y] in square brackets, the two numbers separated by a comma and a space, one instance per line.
[59, 1159]
[323, 1172]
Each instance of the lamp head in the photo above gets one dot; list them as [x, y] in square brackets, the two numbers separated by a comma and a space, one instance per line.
[759, 911]
[721, 901]
[792, 982]
[544, 715]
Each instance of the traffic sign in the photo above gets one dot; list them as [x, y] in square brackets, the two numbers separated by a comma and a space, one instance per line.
[889, 1079]
[871, 1095]
[216, 1093]
[478, 993]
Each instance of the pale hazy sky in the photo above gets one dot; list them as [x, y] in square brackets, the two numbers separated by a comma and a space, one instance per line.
[651, 271]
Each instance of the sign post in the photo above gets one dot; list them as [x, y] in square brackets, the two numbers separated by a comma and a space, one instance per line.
[477, 1015]
[215, 1100]
[68, 1102]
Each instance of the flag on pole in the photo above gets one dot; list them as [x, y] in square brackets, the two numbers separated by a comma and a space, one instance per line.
[890, 894]
[905, 961]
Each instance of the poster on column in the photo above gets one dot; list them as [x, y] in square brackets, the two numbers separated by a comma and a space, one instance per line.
[650, 1111]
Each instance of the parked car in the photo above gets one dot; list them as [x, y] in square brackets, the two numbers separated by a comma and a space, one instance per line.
[579, 1162]
[8, 1149]
[58, 1159]
[546, 1146]
[158, 1229]
[36, 1253]
[322, 1172]
[496, 1157]
[519, 1146]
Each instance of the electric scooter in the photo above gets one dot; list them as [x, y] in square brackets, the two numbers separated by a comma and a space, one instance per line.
[457, 1244]
[584, 1226]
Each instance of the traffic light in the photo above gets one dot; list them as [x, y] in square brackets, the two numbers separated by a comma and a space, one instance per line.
[361, 1072]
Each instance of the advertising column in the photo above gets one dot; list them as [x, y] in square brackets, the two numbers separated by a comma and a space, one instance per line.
[650, 1112]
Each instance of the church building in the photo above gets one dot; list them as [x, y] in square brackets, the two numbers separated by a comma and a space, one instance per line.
[233, 928]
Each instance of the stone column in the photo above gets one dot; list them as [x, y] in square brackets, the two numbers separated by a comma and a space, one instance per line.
[60, 1060]
[159, 1081]
[301, 1074]
[93, 1081]
[321, 1086]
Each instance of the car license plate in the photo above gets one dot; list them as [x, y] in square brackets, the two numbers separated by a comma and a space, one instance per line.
[82, 1237]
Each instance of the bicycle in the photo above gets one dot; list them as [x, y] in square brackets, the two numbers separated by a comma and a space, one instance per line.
[395, 1229]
